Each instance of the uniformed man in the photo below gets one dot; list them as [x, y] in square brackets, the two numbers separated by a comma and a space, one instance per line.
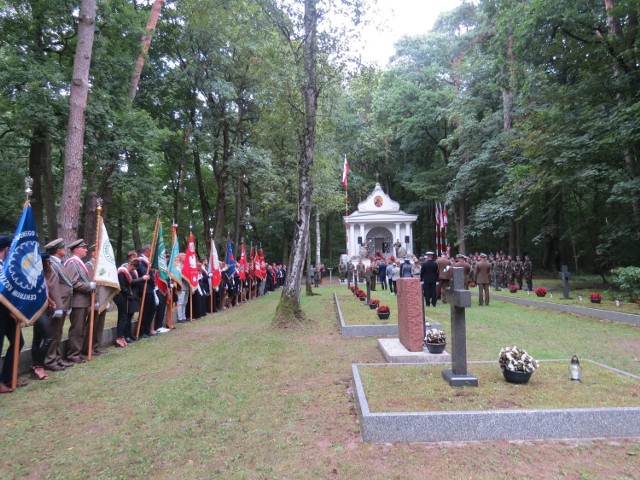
[527, 271]
[461, 261]
[80, 302]
[61, 295]
[517, 271]
[483, 277]
[444, 272]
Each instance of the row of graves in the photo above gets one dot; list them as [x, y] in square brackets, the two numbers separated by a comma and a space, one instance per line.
[419, 369]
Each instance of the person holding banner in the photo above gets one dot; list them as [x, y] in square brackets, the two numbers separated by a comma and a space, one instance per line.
[150, 299]
[7, 327]
[61, 292]
[126, 299]
[42, 334]
[80, 302]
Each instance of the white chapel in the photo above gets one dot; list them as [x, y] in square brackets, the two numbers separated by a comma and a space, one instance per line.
[379, 223]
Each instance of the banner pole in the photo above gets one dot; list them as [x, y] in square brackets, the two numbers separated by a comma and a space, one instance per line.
[92, 312]
[144, 290]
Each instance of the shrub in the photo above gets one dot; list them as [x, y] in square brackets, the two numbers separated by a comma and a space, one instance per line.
[627, 279]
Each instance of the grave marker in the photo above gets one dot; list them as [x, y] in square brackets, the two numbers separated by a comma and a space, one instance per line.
[565, 274]
[460, 299]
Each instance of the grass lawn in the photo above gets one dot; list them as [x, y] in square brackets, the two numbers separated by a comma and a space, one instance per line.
[230, 397]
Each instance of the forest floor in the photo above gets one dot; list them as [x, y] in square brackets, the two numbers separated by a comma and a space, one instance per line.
[228, 396]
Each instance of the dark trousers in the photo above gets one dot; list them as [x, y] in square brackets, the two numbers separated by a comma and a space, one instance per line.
[8, 328]
[160, 310]
[149, 313]
[392, 286]
[383, 283]
[429, 291]
[123, 316]
[42, 338]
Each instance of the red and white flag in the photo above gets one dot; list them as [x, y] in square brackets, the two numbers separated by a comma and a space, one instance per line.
[214, 266]
[263, 265]
[345, 172]
[190, 266]
[242, 270]
[256, 266]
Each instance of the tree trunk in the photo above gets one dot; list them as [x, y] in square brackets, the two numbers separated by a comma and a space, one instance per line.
[145, 44]
[119, 234]
[135, 232]
[39, 150]
[327, 239]
[461, 223]
[72, 185]
[289, 309]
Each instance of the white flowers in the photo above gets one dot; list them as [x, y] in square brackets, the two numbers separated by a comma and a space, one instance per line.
[517, 360]
[433, 335]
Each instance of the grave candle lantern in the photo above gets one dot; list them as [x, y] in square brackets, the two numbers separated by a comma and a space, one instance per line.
[575, 370]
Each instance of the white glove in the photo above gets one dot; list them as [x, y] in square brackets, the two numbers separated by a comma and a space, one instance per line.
[57, 313]
[108, 306]
[69, 312]
[92, 285]
[96, 305]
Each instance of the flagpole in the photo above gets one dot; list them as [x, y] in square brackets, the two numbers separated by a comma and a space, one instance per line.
[92, 312]
[346, 203]
[28, 182]
[211, 270]
[144, 290]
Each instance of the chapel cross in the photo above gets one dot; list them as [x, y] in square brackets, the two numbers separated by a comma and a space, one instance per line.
[461, 299]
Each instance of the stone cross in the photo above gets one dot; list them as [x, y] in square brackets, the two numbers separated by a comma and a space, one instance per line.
[565, 274]
[460, 299]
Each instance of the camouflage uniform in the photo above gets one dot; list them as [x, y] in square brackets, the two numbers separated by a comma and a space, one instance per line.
[517, 271]
[527, 270]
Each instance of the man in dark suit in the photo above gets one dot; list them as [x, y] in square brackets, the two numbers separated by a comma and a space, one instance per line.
[429, 276]
[149, 307]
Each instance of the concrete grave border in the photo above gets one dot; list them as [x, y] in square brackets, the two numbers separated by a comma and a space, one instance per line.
[466, 426]
[389, 330]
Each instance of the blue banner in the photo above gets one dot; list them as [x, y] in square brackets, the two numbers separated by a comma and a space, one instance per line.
[22, 286]
[230, 261]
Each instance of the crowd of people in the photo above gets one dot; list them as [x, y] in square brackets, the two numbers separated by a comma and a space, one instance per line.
[496, 270]
[68, 272]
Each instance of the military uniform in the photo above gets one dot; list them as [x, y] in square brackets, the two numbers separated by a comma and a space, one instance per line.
[80, 302]
[527, 271]
[61, 292]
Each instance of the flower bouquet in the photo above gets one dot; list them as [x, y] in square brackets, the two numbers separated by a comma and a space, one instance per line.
[373, 303]
[516, 364]
[540, 291]
[513, 288]
[383, 312]
[435, 340]
[595, 298]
